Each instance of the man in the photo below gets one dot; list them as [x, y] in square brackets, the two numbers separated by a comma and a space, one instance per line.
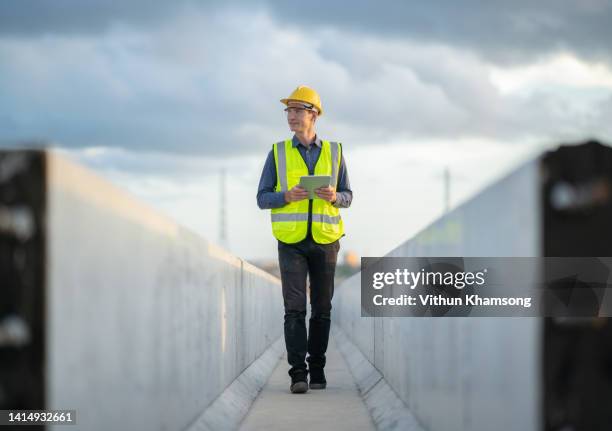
[308, 232]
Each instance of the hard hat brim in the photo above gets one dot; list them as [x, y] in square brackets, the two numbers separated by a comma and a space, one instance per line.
[286, 102]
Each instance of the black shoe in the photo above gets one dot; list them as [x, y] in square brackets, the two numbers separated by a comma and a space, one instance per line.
[298, 382]
[317, 379]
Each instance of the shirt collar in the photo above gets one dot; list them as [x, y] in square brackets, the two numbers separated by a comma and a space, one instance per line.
[295, 142]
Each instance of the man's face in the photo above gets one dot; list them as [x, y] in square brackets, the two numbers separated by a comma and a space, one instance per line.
[299, 118]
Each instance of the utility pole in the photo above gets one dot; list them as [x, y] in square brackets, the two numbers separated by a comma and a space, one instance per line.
[222, 215]
[446, 189]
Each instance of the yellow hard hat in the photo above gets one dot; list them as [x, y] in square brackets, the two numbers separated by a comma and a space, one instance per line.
[307, 95]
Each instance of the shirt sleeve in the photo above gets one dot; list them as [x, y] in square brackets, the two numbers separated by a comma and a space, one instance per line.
[267, 198]
[344, 194]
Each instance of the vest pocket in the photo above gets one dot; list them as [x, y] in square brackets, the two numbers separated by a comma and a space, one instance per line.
[329, 221]
[285, 226]
[332, 228]
[287, 221]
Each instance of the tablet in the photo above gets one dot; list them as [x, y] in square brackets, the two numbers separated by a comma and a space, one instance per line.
[312, 182]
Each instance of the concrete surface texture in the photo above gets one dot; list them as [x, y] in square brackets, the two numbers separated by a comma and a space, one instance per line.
[338, 407]
[387, 410]
[462, 374]
[147, 323]
[228, 410]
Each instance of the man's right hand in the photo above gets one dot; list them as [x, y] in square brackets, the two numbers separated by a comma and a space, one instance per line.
[296, 194]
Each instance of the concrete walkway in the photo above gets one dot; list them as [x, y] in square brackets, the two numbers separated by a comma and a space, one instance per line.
[339, 407]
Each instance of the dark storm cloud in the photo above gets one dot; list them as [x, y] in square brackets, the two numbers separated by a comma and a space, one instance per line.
[37, 17]
[500, 30]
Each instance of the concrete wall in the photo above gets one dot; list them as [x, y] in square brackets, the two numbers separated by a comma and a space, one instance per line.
[458, 374]
[146, 323]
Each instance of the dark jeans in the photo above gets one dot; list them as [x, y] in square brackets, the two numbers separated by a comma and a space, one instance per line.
[318, 261]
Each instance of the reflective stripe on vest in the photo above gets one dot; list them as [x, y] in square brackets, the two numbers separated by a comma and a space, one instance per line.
[281, 168]
[290, 222]
[321, 218]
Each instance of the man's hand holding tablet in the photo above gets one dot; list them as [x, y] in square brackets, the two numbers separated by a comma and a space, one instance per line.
[311, 187]
[326, 193]
[297, 193]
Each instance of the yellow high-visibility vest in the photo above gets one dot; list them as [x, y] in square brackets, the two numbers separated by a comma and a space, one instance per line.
[290, 222]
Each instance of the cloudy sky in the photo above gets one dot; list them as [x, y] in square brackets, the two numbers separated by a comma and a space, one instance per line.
[159, 96]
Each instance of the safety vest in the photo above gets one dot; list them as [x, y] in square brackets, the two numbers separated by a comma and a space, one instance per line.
[290, 222]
